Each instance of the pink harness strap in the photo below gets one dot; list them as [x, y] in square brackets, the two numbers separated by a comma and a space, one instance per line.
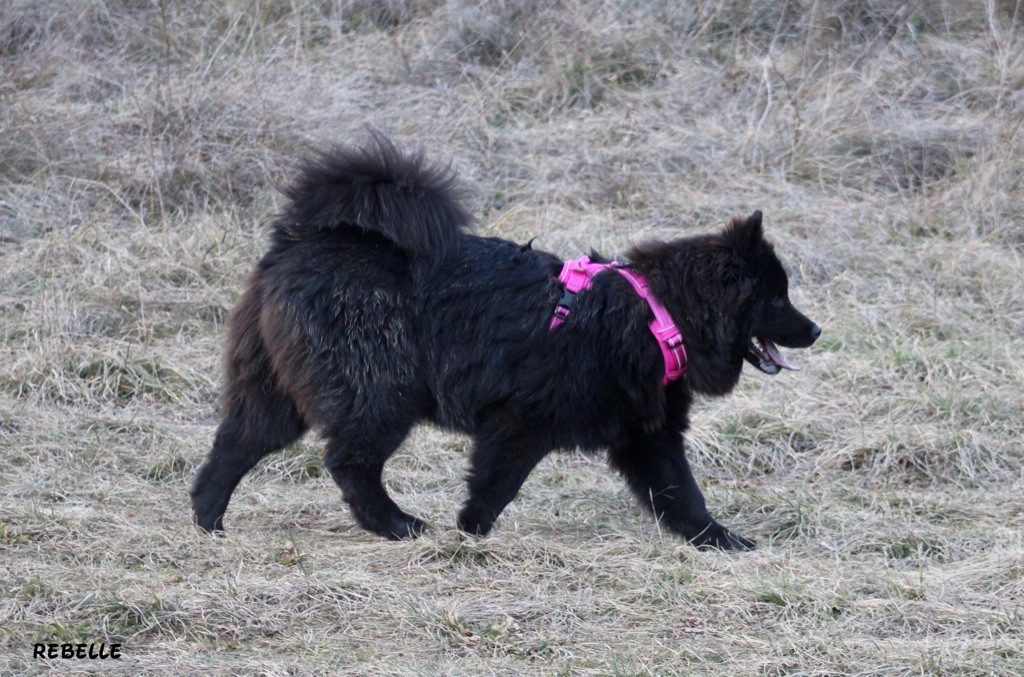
[578, 274]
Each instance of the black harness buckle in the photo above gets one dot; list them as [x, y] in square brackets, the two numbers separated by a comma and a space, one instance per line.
[568, 299]
[564, 304]
[561, 311]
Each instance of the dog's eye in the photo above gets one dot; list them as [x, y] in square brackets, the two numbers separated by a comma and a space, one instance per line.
[778, 302]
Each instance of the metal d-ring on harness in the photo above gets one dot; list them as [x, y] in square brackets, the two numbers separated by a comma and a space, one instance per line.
[578, 274]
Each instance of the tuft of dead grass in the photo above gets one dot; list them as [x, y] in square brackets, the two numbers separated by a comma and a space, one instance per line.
[140, 144]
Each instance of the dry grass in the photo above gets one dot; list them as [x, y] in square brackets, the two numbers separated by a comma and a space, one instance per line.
[139, 149]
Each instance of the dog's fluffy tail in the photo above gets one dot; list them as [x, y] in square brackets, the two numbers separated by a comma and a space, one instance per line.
[377, 187]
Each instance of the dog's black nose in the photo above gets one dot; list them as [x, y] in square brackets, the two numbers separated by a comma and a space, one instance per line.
[815, 331]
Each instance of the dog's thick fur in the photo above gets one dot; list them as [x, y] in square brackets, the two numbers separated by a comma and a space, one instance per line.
[375, 309]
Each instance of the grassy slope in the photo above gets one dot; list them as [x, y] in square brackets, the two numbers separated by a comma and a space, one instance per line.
[138, 154]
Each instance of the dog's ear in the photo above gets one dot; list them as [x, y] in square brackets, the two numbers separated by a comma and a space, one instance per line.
[745, 235]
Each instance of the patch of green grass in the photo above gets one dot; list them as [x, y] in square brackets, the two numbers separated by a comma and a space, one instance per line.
[132, 619]
[12, 534]
[503, 637]
[912, 545]
[58, 632]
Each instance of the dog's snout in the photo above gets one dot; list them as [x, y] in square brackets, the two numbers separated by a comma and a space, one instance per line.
[815, 332]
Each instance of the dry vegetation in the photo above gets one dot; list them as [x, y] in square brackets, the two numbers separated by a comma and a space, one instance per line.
[140, 144]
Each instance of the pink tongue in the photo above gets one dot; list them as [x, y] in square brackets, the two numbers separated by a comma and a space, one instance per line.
[777, 356]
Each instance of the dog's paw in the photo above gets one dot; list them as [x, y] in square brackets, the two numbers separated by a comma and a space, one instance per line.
[403, 526]
[470, 523]
[213, 526]
[717, 537]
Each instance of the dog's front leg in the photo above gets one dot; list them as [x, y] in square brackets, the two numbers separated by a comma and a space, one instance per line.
[502, 460]
[657, 471]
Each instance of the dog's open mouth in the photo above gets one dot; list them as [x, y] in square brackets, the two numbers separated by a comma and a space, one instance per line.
[767, 357]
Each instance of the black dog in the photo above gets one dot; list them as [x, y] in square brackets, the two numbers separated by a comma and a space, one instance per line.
[374, 309]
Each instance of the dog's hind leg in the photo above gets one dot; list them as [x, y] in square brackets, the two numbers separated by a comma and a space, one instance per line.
[259, 417]
[502, 460]
[356, 462]
[257, 424]
[657, 471]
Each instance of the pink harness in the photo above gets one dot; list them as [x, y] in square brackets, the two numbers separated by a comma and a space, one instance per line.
[578, 275]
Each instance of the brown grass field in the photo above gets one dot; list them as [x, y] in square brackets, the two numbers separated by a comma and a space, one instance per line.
[140, 149]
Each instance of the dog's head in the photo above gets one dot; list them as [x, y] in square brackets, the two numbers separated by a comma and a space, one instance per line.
[729, 294]
[769, 319]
